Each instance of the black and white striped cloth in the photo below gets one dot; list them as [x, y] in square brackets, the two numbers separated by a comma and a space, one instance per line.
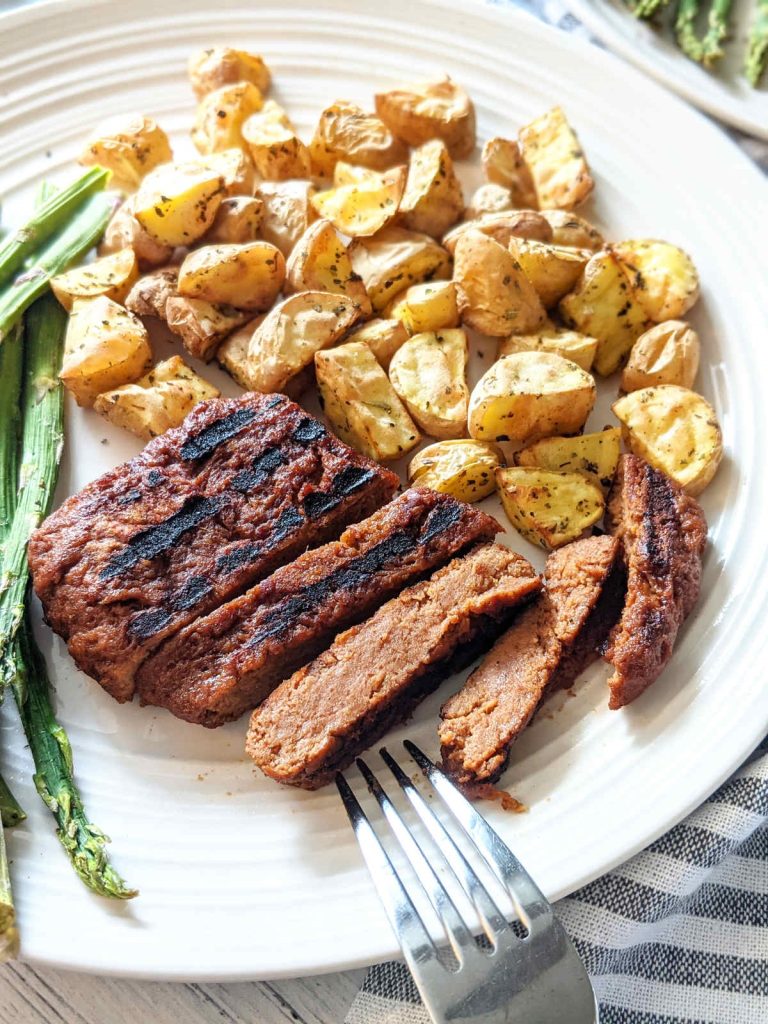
[677, 935]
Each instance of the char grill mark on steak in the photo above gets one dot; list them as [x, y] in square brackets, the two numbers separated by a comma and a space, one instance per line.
[146, 624]
[193, 592]
[262, 467]
[210, 437]
[308, 431]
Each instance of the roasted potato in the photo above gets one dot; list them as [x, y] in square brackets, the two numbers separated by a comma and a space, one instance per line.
[289, 336]
[556, 161]
[238, 220]
[579, 348]
[548, 507]
[429, 373]
[432, 200]
[128, 145]
[530, 395]
[232, 354]
[504, 165]
[112, 276]
[156, 402]
[247, 276]
[202, 325]
[287, 212]
[426, 307]
[105, 346]
[220, 116]
[668, 353]
[438, 109]
[664, 278]
[502, 227]
[361, 404]
[553, 270]
[149, 296]
[597, 455]
[603, 305]
[571, 230]
[346, 132]
[465, 469]
[124, 230]
[394, 259]
[320, 262]
[489, 198]
[362, 208]
[177, 204]
[278, 154]
[211, 69]
[383, 338]
[494, 295]
[675, 430]
[235, 167]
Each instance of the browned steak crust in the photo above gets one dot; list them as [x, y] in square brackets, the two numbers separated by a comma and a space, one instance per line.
[206, 510]
[374, 674]
[227, 662]
[663, 532]
[545, 649]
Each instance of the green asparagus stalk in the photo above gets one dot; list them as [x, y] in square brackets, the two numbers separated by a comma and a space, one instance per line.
[717, 32]
[49, 217]
[11, 812]
[9, 936]
[647, 8]
[685, 29]
[757, 50]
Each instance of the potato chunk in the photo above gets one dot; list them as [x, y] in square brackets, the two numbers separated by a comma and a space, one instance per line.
[432, 200]
[105, 346]
[549, 508]
[438, 109]
[556, 161]
[220, 116]
[287, 212]
[177, 204]
[320, 262]
[530, 395]
[238, 221]
[494, 295]
[570, 229]
[361, 404]
[597, 455]
[553, 270]
[129, 145]
[123, 230]
[222, 65]
[112, 276]
[664, 278]
[489, 198]
[675, 430]
[429, 373]
[346, 132]
[668, 353]
[277, 152]
[245, 276]
[362, 208]
[426, 307]
[579, 348]
[504, 165]
[394, 259]
[464, 468]
[383, 338]
[202, 325]
[150, 294]
[235, 167]
[502, 227]
[156, 402]
[603, 305]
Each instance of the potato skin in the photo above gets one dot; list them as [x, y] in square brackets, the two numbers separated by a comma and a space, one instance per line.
[222, 65]
[394, 259]
[502, 227]
[112, 276]
[238, 220]
[553, 270]
[150, 294]
[383, 338]
[320, 262]
[130, 146]
[568, 228]
[504, 165]
[124, 230]
[220, 116]
[488, 198]
[202, 325]
[579, 348]
[278, 154]
[596, 455]
[346, 132]
[463, 468]
[247, 276]
[549, 508]
[432, 200]
[437, 109]
[558, 167]
[668, 353]
[287, 212]
[428, 373]
[234, 166]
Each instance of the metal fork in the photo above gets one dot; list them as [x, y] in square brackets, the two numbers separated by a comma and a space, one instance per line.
[536, 979]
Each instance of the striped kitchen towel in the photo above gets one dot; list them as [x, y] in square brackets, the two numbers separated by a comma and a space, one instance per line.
[677, 935]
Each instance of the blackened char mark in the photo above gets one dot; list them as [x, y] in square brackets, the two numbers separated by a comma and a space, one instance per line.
[308, 431]
[237, 558]
[192, 593]
[262, 467]
[210, 437]
[146, 624]
[155, 477]
[351, 479]
[157, 539]
[288, 522]
[318, 503]
[439, 520]
[130, 498]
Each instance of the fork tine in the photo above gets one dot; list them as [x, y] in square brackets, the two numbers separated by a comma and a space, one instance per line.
[528, 898]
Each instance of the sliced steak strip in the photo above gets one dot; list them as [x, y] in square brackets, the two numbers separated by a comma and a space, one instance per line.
[663, 532]
[545, 649]
[226, 663]
[374, 674]
[205, 511]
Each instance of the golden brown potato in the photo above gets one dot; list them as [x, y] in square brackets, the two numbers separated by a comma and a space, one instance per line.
[289, 336]
[383, 338]
[150, 294]
[233, 165]
[361, 404]
[220, 116]
[238, 220]
[320, 262]
[464, 468]
[579, 348]
[177, 204]
[488, 198]
[394, 259]
[668, 353]
[571, 230]
[675, 430]
[156, 402]
[346, 132]
[597, 455]
[549, 508]
[277, 152]
[502, 227]
[530, 395]
[664, 278]
[222, 65]
[124, 230]
[553, 270]
[232, 354]
[504, 165]
[287, 212]
[362, 208]
[112, 276]
[438, 109]
[247, 276]
[105, 346]
[556, 161]
[429, 373]
[494, 295]
[202, 325]
[603, 305]
[426, 307]
[432, 200]
[128, 145]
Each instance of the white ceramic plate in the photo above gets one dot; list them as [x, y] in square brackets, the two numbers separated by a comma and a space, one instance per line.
[239, 877]
[724, 92]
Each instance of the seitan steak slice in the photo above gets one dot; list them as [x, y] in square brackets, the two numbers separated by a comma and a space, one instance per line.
[374, 674]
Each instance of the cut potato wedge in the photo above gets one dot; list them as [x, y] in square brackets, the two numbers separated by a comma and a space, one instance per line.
[124, 231]
[247, 276]
[571, 230]
[553, 270]
[394, 259]
[597, 455]
[287, 212]
[502, 227]
[668, 353]
[128, 145]
[112, 276]
[320, 262]
[549, 508]
[504, 165]
[464, 468]
[579, 348]
[556, 161]
[432, 200]
[346, 132]
[202, 325]
[362, 208]
[383, 338]
[222, 65]
[150, 294]
[489, 198]
[437, 109]
[361, 404]
[664, 278]
[278, 154]
[426, 307]
[177, 204]
[675, 430]
[238, 221]
[221, 114]
[233, 165]
[429, 374]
